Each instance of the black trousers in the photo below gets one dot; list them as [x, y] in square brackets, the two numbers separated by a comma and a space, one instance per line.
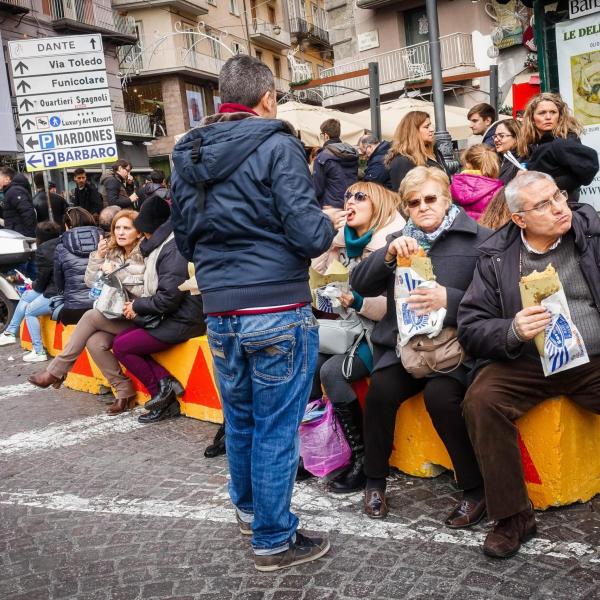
[390, 387]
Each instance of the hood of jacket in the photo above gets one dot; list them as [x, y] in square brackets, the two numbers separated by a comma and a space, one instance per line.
[212, 152]
[378, 240]
[584, 224]
[158, 189]
[469, 189]
[158, 237]
[80, 241]
[19, 180]
[333, 150]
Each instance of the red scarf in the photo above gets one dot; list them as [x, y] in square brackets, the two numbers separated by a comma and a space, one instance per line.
[231, 107]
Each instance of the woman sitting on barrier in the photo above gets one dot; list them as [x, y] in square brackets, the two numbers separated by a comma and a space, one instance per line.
[450, 238]
[96, 331]
[70, 263]
[164, 315]
[36, 302]
[372, 215]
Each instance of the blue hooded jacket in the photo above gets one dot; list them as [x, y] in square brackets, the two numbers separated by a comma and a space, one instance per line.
[245, 212]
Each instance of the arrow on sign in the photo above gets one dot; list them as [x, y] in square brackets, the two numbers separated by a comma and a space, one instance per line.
[33, 162]
[93, 43]
[26, 103]
[28, 123]
[31, 142]
[23, 85]
[22, 66]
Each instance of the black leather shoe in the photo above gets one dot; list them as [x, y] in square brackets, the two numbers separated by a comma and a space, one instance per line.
[218, 446]
[302, 474]
[160, 414]
[170, 388]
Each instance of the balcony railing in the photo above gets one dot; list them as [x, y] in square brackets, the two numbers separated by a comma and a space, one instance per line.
[15, 6]
[301, 28]
[87, 15]
[270, 35]
[132, 124]
[197, 7]
[404, 64]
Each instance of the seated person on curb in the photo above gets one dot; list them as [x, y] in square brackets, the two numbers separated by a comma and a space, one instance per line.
[179, 313]
[371, 215]
[95, 330]
[36, 302]
[70, 263]
[493, 326]
[450, 238]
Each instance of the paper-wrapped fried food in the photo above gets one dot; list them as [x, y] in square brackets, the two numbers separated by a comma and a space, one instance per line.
[419, 262]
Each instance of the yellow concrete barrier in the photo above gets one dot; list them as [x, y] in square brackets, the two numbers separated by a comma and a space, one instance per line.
[560, 442]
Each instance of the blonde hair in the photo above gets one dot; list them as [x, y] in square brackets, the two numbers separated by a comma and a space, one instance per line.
[416, 178]
[482, 158]
[496, 213]
[529, 133]
[385, 203]
[407, 140]
[126, 213]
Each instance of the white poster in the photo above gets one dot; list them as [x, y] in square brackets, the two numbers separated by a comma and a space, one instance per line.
[8, 139]
[195, 103]
[578, 50]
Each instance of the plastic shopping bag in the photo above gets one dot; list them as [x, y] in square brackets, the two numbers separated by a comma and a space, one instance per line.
[323, 446]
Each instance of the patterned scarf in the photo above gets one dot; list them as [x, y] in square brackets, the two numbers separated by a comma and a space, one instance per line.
[425, 240]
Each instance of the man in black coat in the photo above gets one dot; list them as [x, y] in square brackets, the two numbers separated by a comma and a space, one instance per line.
[40, 202]
[17, 210]
[495, 328]
[375, 152]
[85, 195]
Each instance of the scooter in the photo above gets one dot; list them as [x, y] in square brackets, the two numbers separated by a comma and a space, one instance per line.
[15, 250]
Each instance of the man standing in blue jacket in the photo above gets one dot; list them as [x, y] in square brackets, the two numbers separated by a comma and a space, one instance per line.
[244, 211]
[375, 152]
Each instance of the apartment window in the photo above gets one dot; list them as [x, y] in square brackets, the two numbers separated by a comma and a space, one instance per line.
[215, 44]
[277, 66]
[272, 15]
[238, 48]
[233, 7]
[259, 55]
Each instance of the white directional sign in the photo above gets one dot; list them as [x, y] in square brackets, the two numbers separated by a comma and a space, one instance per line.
[63, 101]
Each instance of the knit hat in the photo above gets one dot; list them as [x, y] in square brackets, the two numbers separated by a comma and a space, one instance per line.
[154, 212]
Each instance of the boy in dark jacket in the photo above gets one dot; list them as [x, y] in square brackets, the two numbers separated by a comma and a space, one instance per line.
[17, 210]
[245, 212]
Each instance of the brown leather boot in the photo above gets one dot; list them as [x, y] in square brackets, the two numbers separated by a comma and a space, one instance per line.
[46, 379]
[508, 534]
[121, 405]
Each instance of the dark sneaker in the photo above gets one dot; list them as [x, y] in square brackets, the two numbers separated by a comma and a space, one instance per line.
[304, 549]
[245, 528]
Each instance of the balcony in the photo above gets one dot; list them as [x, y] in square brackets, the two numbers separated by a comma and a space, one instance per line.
[17, 7]
[281, 85]
[87, 16]
[397, 67]
[269, 35]
[132, 125]
[194, 7]
[303, 30]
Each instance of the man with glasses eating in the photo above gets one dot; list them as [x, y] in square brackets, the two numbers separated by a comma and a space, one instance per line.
[493, 327]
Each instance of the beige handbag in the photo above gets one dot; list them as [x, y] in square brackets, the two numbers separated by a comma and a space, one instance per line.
[423, 356]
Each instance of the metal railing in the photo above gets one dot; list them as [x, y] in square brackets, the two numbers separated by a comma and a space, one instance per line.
[299, 26]
[404, 64]
[127, 123]
[270, 30]
[96, 14]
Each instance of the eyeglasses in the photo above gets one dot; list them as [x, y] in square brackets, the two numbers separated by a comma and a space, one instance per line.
[416, 202]
[358, 196]
[501, 136]
[559, 198]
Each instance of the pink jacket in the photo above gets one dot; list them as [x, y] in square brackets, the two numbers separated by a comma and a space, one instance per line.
[474, 192]
[372, 308]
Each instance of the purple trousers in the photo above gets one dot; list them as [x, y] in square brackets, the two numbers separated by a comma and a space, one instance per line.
[133, 348]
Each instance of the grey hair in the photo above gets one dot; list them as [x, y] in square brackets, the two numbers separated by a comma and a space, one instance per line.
[368, 139]
[245, 80]
[512, 192]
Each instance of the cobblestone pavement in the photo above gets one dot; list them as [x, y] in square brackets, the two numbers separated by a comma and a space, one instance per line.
[93, 507]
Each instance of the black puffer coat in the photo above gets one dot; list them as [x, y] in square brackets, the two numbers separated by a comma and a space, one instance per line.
[182, 312]
[45, 283]
[70, 263]
[58, 203]
[17, 211]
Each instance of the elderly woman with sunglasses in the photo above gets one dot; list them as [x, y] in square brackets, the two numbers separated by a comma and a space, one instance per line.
[450, 238]
[371, 214]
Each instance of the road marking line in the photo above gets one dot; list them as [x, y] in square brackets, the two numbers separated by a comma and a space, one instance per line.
[342, 522]
[18, 389]
[67, 434]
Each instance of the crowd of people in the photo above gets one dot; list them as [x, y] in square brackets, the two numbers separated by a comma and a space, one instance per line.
[246, 210]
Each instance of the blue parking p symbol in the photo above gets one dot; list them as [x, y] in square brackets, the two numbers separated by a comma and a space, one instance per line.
[46, 141]
[49, 159]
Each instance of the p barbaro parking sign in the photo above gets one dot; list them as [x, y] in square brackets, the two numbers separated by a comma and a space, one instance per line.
[63, 101]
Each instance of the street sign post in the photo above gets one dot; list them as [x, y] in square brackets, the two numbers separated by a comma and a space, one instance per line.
[63, 101]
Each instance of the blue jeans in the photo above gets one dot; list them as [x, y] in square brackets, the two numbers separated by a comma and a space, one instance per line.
[265, 365]
[30, 307]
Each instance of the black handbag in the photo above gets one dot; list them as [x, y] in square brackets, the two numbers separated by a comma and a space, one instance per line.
[147, 321]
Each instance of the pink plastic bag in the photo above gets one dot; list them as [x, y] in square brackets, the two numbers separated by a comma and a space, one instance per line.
[323, 446]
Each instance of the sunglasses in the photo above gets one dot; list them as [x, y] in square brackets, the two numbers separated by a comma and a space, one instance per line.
[432, 199]
[358, 196]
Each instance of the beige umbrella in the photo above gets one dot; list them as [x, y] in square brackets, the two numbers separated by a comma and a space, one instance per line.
[307, 119]
[392, 112]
